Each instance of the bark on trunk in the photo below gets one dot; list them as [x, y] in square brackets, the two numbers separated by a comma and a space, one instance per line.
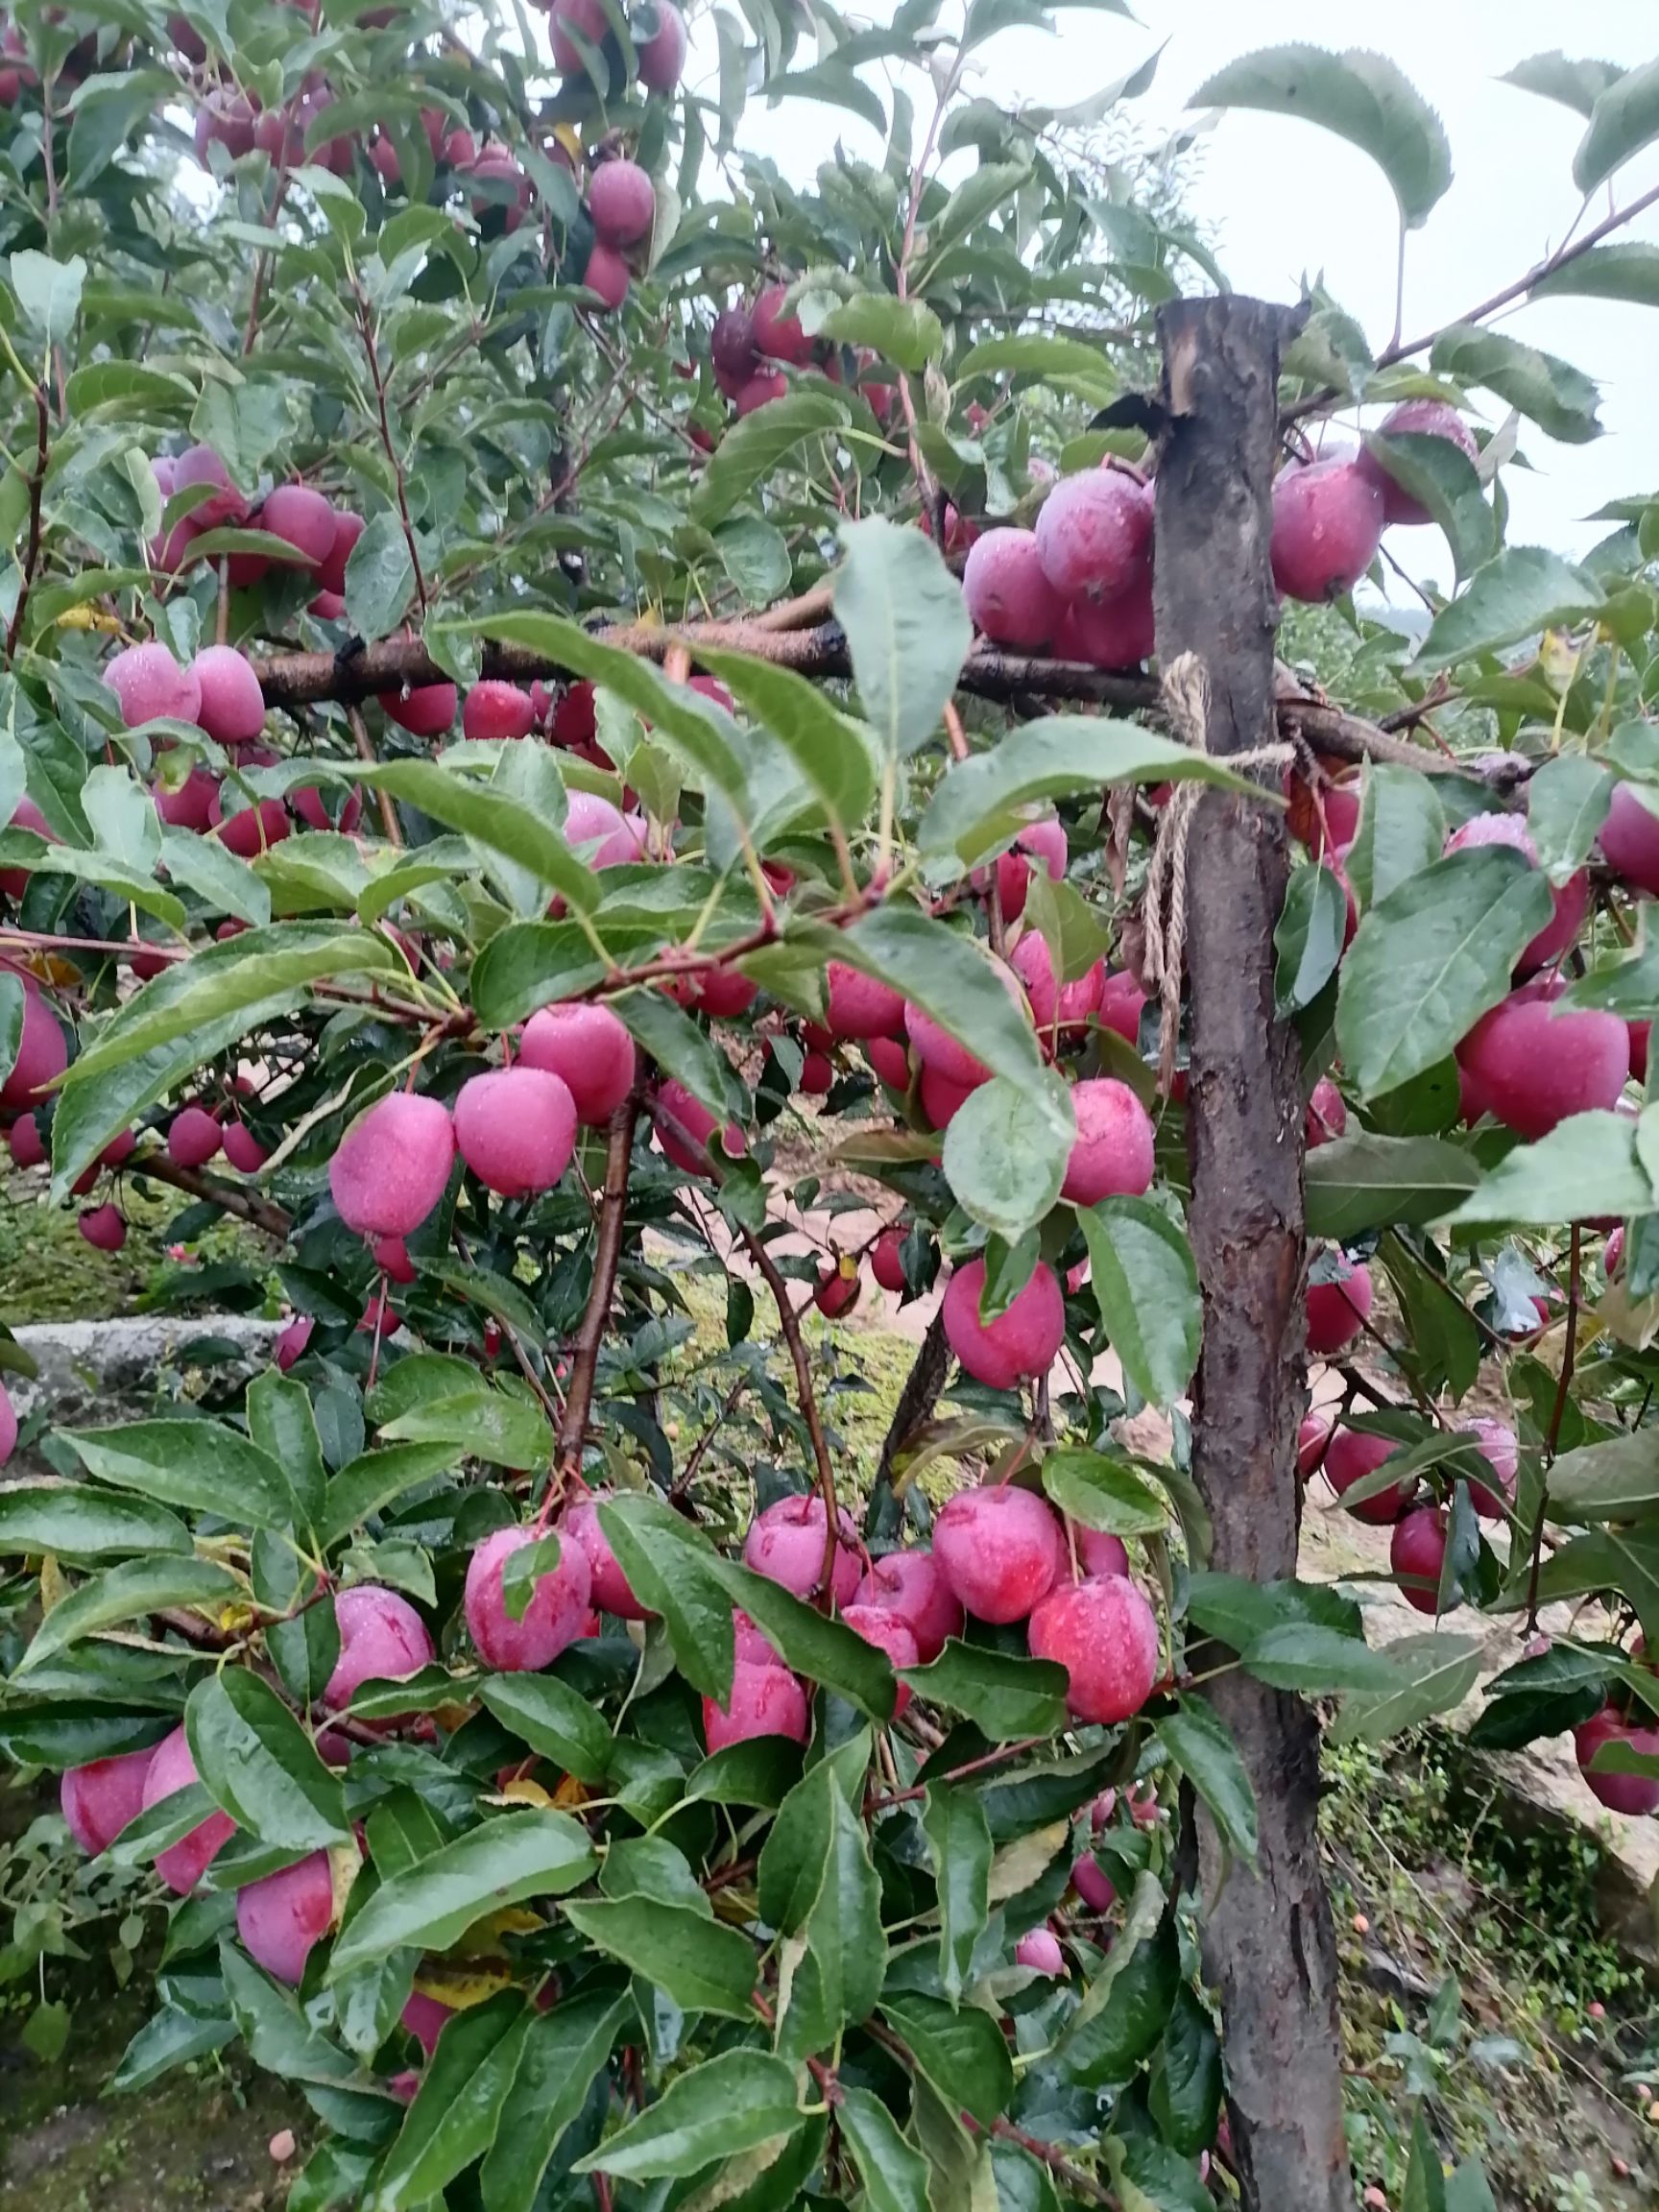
[1268, 1944]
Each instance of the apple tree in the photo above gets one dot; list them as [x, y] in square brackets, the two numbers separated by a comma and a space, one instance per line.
[549, 661]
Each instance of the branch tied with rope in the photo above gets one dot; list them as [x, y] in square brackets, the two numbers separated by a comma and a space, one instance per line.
[1186, 705]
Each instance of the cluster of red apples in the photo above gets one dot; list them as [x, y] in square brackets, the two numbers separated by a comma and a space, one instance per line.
[751, 346]
[1000, 1555]
[1530, 1064]
[621, 203]
[1080, 583]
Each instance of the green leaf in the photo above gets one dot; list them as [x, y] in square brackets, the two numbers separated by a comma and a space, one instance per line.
[553, 1720]
[962, 2054]
[978, 804]
[1442, 1670]
[1617, 1480]
[380, 578]
[204, 1466]
[1006, 1151]
[1628, 987]
[1627, 271]
[1049, 355]
[1467, 2189]
[1317, 1660]
[501, 822]
[903, 331]
[1588, 1164]
[1186, 2095]
[126, 1592]
[371, 1482]
[832, 751]
[893, 2172]
[281, 1423]
[906, 625]
[1429, 959]
[1561, 399]
[1441, 477]
[1526, 589]
[278, 2036]
[949, 978]
[1625, 118]
[754, 447]
[1003, 1694]
[1145, 1285]
[1443, 1348]
[1202, 1745]
[976, 198]
[833, 84]
[1102, 1491]
[458, 2106]
[173, 2037]
[483, 1423]
[1308, 938]
[726, 2106]
[1567, 803]
[1425, 2189]
[1576, 84]
[506, 1858]
[760, 1773]
[259, 1766]
[1123, 2016]
[672, 1039]
[1364, 98]
[837, 1977]
[48, 293]
[1237, 1610]
[673, 1576]
[560, 2056]
[680, 718]
[1363, 1181]
[1148, 2174]
[83, 1527]
[243, 422]
[959, 1840]
[192, 1011]
[228, 885]
[826, 1651]
[792, 1866]
[1402, 823]
[699, 1965]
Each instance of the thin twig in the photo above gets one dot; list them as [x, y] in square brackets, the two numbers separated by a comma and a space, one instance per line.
[247, 1205]
[37, 483]
[789, 1321]
[597, 1316]
[1558, 1414]
[1534, 276]
[365, 745]
[371, 348]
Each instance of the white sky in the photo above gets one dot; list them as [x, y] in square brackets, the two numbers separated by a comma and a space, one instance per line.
[1282, 198]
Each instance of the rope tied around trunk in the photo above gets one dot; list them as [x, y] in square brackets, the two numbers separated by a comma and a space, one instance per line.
[1186, 700]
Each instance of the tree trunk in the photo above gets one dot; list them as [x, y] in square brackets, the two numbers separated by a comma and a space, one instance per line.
[1268, 1945]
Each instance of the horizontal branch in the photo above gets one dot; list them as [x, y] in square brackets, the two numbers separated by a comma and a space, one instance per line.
[819, 653]
[248, 1204]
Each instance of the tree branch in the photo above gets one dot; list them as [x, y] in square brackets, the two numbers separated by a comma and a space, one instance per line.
[1551, 263]
[247, 1205]
[820, 651]
[597, 1316]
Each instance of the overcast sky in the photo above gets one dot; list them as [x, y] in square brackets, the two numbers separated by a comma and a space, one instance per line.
[1284, 198]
